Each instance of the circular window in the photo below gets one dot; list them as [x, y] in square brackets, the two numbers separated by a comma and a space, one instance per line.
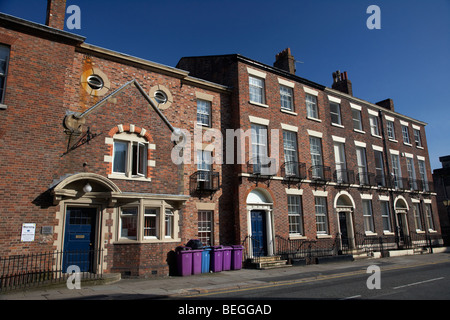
[160, 97]
[95, 82]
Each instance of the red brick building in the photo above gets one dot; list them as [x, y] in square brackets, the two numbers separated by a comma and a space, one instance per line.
[341, 169]
[86, 151]
[88, 155]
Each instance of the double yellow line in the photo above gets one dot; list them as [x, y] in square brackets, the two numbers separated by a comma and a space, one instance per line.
[308, 280]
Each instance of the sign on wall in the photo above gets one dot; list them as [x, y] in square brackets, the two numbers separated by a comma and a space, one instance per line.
[28, 232]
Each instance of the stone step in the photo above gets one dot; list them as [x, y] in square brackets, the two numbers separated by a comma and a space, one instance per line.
[267, 263]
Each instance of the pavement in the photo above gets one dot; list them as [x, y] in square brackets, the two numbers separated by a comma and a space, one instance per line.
[207, 284]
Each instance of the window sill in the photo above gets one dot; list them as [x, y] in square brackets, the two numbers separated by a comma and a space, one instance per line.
[3, 106]
[420, 147]
[388, 233]
[359, 131]
[407, 144]
[370, 233]
[288, 112]
[123, 177]
[393, 140]
[324, 236]
[131, 241]
[297, 237]
[258, 104]
[313, 119]
[337, 125]
[376, 136]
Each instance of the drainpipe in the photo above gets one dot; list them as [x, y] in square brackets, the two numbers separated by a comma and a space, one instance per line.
[391, 193]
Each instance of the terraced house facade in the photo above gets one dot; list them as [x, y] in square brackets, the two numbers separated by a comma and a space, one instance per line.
[341, 172]
[88, 139]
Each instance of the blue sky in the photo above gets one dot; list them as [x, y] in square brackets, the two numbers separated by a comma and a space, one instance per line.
[407, 60]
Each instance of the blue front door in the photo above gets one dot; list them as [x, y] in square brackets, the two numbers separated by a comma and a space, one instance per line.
[79, 238]
[259, 236]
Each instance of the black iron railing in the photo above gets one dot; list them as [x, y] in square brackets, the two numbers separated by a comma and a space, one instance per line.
[23, 271]
[310, 250]
[344, 176]
[293, 170]
[320, 173]
[204, 182]
[262, 166]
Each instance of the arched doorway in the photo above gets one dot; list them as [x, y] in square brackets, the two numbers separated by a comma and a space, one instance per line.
[82, 198]
[344, 206]
[260, 222]
[401, 211]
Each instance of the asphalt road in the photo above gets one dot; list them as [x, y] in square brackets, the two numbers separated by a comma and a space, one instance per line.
[424, 281]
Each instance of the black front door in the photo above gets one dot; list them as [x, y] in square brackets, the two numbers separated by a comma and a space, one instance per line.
[79, 238]
[343, 228]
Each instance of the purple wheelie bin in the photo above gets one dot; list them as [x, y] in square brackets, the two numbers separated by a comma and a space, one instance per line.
[184, 261]
[216, 258]
[236, 257]
[196, 261]
[197, 250]
[227, 258]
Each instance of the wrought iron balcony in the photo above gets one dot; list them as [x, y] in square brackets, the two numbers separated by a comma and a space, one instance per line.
[366, 179]
[204, 182]
[293, 170]
[344, 176]
[320, 173]
[262, 166]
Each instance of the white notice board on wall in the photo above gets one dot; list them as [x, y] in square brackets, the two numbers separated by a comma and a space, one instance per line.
[28, 232]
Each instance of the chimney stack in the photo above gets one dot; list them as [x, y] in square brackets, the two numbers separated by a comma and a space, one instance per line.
[387, 104]
[341, 82]
[285, 61]
[56, 11]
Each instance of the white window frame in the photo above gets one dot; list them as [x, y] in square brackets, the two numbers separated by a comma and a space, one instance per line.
[369, 226]
[357, 120]
[295, 215]
[321, 213]
[204, 113]
[150, 212]
[286, 98]
[390, 129]
[169, 227]
[315, 146]
[429, 216]
[417, 217]
[339, 159]
[405, 135]
[411, 172]
[205, 226]
[386, 216]
[259, 142]
[335, 113]
[423, 174]
[136, 155]
[361, 163]
[379, 170]
[417, 138]
[290, 152]
[374, 128]
[124, 215]
[312, 111]
[396, 170]
[256, 89]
